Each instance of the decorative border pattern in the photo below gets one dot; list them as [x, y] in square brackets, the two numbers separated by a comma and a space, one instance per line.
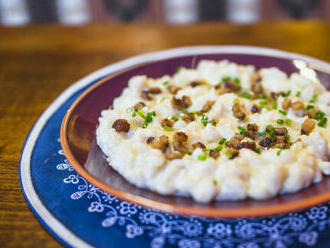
[159, 227]
[173, 230]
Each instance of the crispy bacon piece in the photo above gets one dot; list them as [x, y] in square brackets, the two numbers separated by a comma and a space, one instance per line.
[181, 104]
[121, 125]
[307, 126]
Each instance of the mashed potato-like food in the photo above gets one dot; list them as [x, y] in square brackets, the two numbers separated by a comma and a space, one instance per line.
[221, 131]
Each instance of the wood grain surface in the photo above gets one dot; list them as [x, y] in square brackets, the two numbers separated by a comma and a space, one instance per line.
[38, 62]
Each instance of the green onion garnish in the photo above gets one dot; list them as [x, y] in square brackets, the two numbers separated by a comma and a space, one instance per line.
[165, 83]
[262, 134]
[322, 122]
[288, 93]
[245, 95]
[201, 157]
[279, 152]
[282, 112]
[174, 118]
[298, 94]
[279, 121]
[168, 129]
[222, 141]
[242, 130]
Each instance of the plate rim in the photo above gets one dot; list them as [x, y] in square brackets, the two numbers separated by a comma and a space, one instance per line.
[210, 212]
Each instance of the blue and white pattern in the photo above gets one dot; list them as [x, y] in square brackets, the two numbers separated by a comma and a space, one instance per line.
[81, 215]
[167, 230]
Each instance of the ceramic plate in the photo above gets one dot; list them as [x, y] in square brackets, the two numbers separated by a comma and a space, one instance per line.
[79, 125]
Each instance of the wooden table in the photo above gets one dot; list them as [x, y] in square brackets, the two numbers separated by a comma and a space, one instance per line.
[39, 62]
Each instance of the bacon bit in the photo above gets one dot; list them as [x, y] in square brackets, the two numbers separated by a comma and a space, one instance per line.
[286, 103]
[146, 94]
[239, 111]
[150, 139]
[235, 142]
[198, 145]
[252, 130]
[307, 126]
[174, 155]
[193, 84]
[182, 103]
[139, 105]
[299, 105]
[252, 127]
[257, 88]
[281, 145]
[167, 122]
[248, 145]
[179, 142]
[121, 125]
[213, 122]
[214, 154]
[173, 89]
[222, 91]
[256, 77]
[255, 108]
[231, 85]
[279, 131]
[162, 143]
[188, 117]
[311, 112]
[266, 141]
[276, 95]
[232, 153]
[207, 106]
[155, 90]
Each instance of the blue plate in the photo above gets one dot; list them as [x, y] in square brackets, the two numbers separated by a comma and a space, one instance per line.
[80, 215]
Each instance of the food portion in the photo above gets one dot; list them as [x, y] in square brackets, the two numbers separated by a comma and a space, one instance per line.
[222, 131]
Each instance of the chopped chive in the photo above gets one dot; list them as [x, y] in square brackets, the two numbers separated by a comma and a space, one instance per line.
[225, 78]
[229, 155]
[242, 130]
[235, 101]
[288, 93]
[287, 121]
[163, 99]
[148, 118]
[201, 157]
[275, 105]
[168, 129]
[174, 118]
[322, 122]
[245, 95]
[262, 134]
[165, 83]
[180, 68]
[184, 111]
[279, 121]
[204, 120]
[189, 153]
[218, 148]
[263, 96]
[140, 113]
[309, 107]
[279, 152]
[315, 96]
[282, 112]
[222, 141]
[319, 115]
[262, 103]
[270, 129]
[257, 150]
[298, 94]
[215, 182]
[236, 80]
[288, 137]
